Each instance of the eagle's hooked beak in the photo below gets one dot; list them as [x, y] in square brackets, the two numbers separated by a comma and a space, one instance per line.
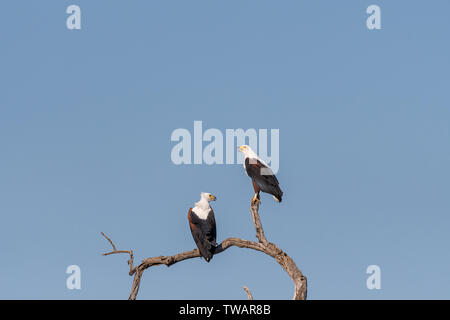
[212, 198]
[241, 148]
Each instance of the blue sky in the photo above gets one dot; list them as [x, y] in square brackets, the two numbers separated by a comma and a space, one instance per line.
[85, 123]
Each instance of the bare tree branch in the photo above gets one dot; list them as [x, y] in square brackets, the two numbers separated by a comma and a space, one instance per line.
[130, 252]
[247, 291]
[254, 208]
[286, 262]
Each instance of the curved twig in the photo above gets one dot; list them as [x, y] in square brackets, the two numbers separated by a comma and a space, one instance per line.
[286, 262]
[247, 291]
[130, 252]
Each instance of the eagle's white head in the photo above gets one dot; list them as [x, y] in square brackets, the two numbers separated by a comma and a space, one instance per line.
[202, 207]
[207, 197]
[248, 152]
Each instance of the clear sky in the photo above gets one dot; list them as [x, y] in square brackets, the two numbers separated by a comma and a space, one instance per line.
[85, 123]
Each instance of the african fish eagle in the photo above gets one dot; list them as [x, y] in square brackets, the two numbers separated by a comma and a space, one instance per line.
[262, 176]
[203, 226]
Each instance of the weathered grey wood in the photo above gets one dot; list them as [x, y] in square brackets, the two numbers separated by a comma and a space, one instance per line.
[263, 245]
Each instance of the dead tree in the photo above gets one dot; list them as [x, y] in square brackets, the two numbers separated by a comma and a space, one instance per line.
[286, 262]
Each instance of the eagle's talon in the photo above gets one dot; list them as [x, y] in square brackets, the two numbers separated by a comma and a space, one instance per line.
[255, 200]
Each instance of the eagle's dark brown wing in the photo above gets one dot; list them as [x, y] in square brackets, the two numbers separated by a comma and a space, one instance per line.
[204, 233]
[263, 177]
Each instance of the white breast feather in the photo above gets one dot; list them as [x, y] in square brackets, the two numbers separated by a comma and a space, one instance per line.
[201, 212]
